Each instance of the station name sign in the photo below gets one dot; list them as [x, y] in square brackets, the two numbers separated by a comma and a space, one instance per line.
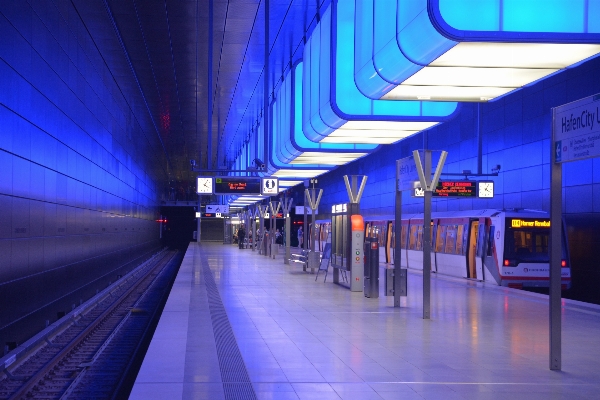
[576, 130]
[529, 223]
[451, 189]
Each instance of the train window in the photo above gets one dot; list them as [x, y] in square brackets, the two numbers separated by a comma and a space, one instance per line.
[481, 240]
[490, 248]
[459, 239]
[413, 238]
[419, 238]
[527, 244]
[403, 237]
[450, 239]
[440, 238]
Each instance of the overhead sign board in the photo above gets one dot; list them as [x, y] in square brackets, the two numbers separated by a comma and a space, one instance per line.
[576, 130]
[450, 189]
[300, 210]
[237, 185]
[339, 208]
[217, 208]
[456, 189]
[211, 215]
[269, 186]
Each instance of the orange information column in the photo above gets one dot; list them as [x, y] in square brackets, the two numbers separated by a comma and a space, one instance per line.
[357, 265]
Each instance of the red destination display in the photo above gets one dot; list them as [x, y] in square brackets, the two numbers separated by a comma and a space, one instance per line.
[456, 189]
[228, 185]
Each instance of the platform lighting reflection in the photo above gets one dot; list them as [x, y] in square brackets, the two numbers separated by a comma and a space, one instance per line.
[477, 51]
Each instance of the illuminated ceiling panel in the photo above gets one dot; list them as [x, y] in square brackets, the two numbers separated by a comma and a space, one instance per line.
[289, 183]
[290, 145]
[331, 98]
[328, 158]
[487, 46]
[290, 149]
[295, 173]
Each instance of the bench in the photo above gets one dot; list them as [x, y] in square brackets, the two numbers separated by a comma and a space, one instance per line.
[300, 259]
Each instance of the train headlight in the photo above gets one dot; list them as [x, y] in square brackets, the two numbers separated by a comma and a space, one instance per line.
[510, 263]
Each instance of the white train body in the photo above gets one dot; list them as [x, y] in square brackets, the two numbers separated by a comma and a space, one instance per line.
[509, 248]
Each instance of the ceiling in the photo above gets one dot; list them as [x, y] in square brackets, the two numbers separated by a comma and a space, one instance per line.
[167, 44]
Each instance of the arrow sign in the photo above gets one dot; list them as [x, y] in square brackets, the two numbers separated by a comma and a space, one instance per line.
[217, 208]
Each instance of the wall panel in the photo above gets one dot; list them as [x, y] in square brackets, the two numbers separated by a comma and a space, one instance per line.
[78, 195]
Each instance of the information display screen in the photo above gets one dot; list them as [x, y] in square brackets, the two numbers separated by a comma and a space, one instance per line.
[456, 189]
[237, 185]
[529, 223]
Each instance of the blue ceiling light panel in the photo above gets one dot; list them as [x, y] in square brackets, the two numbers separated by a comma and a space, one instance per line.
[334, 108]
[291, 151]
[466, 50]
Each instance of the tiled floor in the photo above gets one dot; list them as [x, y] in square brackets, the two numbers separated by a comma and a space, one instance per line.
[302, 339]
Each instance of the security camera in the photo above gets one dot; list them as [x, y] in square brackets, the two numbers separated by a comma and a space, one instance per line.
[259, 164]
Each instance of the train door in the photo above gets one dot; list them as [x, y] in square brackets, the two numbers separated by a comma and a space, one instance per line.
[472, 249]
[389, 237]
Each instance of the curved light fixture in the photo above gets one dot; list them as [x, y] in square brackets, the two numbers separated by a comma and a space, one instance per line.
[465, 50]
[335, 110]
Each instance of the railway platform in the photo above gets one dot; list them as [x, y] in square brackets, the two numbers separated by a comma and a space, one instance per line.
[239, 325]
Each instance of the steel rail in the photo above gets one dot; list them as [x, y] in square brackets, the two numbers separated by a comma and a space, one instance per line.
[86, 333]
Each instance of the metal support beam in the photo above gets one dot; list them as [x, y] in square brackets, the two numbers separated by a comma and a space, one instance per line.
[555, 257]
[209, 160]
[266, 74]
[287, 208]
[427, 242]
[398, 247]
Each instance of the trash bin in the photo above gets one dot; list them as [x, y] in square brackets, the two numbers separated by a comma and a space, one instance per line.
[371, 282]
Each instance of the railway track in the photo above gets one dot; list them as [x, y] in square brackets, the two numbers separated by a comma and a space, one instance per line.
[94, 356]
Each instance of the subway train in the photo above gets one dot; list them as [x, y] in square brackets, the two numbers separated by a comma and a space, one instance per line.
[505, 247]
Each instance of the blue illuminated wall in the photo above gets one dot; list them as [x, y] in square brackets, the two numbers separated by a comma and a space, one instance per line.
[78, 195]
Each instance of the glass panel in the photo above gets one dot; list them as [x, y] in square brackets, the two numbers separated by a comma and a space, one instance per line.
[490, 246]
[459, 239]
[440, 239]
[419, 245]
[413, 238]
[527, 245]
[450, 239]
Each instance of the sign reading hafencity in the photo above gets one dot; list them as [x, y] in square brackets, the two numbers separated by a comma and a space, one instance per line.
[576, 130]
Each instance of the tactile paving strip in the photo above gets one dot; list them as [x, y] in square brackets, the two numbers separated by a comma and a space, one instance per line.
[236, 382]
